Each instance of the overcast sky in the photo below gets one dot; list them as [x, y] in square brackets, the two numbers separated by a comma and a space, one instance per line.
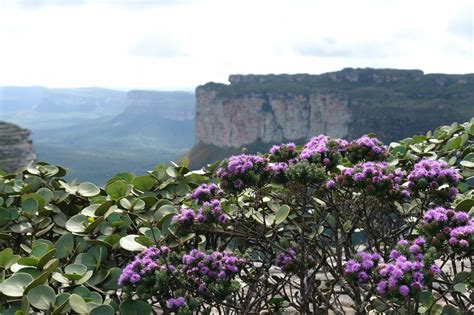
[161, 44]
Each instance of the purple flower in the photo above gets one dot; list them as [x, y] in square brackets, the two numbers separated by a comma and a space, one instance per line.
[404, 290]
[206, 192]
[330, 184]
[176, 303]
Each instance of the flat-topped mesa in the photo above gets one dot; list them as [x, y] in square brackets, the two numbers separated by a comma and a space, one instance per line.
[366, 75]
[255, 111]
[16, 149]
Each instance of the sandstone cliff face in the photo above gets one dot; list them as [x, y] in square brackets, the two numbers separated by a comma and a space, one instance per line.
[256, 111]
[16, 148]
[268, 117]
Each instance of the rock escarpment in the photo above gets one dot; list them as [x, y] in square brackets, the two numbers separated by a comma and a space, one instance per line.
[255, 111]
[16, 149]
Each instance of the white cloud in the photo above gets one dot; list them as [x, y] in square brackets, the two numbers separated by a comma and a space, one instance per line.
[181, 44]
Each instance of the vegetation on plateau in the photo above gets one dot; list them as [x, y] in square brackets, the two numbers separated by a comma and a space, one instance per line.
[332, 226]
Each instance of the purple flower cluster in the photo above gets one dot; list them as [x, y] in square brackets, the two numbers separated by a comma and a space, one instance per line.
[241, 171]
[286, 260]
[455, 227]
[359, 268]
[206, 192]
[283, 148]
[203, 269]
[185, 215]
[407, 272]
[366, 148]
[373, 177]
[145, 263]
[432, 175]
[176, 303]
[211, 212]
[278, 167]
[463, 237]
[322, 149]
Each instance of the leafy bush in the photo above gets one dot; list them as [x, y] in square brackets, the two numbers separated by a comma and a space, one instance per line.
[331, 226]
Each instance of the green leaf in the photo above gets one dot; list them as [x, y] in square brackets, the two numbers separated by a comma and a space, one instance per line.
[30, 206]
[468, 164]
[78, 304]
[5, 257]
[465, 205]
[144, 183]
[75, 269]
[450, 310]
[128, 243]
[163, 211]
[64, 246]
[16, 284]
[102, 310]
[134, 308]
[88, 189]
[453, 143]
[42, 297]
[281, 214]
[461, 287]
[77, 223]
[117, 189]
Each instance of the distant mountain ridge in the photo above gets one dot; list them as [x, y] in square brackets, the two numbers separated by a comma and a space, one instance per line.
[255, 111]
[97, 133]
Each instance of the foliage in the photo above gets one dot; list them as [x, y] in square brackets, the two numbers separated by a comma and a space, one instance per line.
[285, 232]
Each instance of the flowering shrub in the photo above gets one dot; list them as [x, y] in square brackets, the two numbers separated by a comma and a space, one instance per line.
[366, 149]
[180, 282]
[242, 171]
[434, 177]
[283, 153]
[409, 270]
[359, 268]
[308, 212]
[376, 178]
[323, 150]
[449, 227]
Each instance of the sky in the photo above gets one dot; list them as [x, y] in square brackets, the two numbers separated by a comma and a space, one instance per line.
[177, 45]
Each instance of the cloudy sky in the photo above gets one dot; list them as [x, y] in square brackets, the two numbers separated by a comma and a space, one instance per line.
[178, 44]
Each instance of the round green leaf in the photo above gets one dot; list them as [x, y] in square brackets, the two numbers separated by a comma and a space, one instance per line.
[16, 284]
[77, 223]
[42, 297]
[117, 189]
[134, 308]
[128, 243]
[144, 183]
[76, 269]
[64, 246]
[102, 310]
[88, 189]
[78, 304]
[281, 214]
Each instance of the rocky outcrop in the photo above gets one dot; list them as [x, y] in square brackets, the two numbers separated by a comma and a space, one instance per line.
[269, 117]
[258, 110]
[16, 148]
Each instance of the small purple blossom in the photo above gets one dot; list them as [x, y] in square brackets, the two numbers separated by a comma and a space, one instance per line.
[206, 192]
[175, 303]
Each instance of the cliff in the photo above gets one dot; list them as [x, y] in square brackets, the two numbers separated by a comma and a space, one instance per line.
[16, 148]
[255, 111]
